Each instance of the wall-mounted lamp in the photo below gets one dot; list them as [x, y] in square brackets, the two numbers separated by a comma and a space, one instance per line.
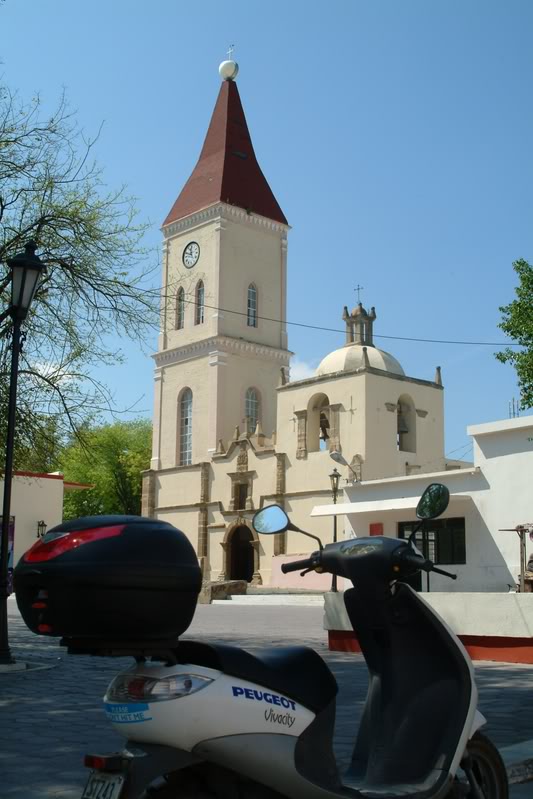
[41, 528]
[338, 457]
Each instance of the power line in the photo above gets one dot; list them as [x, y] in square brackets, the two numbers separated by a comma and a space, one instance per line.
[375, 335]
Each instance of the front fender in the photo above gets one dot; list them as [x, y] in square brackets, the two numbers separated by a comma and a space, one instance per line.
[478, 722]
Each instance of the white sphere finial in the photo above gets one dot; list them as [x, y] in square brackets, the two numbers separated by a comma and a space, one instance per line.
[228, 69]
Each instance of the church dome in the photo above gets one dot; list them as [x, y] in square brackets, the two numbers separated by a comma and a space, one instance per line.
[352, 356]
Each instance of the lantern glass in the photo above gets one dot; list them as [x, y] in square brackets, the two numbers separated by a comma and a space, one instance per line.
[335, 477]
[26, 269]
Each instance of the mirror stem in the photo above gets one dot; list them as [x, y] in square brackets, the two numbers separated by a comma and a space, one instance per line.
[295, 529]
[416, 528]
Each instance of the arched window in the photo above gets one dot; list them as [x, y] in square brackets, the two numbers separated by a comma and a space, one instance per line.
[180, 309]
[251, 317]
[318, 423]
[200, 304]
[185, 423]
[251, 409]
[406, 424]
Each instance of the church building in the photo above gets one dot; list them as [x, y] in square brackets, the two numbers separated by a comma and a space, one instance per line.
[231, 432]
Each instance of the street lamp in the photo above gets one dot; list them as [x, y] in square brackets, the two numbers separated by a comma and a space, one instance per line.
[334, 477]
[26, 269]
[41, 528]
[338, 457]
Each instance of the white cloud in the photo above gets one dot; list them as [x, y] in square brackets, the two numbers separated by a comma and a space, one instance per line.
[54, 371]
[301, 369]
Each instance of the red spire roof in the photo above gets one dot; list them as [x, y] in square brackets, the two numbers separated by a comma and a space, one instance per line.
[227, 170]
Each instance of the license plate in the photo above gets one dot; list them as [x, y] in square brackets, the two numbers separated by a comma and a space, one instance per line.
[103, 786]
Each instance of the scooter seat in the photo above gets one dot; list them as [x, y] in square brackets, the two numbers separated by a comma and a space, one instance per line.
[295, 671]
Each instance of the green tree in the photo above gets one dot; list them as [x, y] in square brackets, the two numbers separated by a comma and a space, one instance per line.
[98, 278]
[517, 323]
[110, 458]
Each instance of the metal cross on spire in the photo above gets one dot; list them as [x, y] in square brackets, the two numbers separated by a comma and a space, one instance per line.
[230, 52]
[358, 289]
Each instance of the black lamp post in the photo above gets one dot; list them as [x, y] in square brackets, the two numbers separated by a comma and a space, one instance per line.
[26, 269]
[334, 477]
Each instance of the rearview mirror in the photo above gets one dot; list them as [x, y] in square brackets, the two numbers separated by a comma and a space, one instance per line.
[433, 501]
[270, 520]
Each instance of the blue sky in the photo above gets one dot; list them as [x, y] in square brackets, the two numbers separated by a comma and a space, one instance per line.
[395, 134]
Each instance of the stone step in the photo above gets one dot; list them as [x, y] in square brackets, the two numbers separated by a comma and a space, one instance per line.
[312, 600]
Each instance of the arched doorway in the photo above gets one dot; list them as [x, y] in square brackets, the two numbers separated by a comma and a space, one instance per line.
[241, 554]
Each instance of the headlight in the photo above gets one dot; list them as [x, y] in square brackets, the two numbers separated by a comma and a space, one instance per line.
[138, 688]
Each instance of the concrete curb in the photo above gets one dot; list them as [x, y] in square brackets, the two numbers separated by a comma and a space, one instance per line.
[518, 773]
[518, 761]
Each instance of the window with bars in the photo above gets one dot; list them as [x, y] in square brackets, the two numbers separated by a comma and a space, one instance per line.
[180, 309]
[200, 304]
[185, 413]
[251, 409]
[442, 540]
[251, 318]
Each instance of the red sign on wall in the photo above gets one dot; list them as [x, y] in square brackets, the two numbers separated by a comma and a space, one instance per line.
[375, 528]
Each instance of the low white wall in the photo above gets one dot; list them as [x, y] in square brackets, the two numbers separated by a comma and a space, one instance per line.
[33, 498]
[498, 615]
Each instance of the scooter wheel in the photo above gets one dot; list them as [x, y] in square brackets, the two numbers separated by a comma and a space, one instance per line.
[488, 768]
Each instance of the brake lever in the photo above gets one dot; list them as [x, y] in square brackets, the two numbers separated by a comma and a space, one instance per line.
[302, 574]
[446, 574]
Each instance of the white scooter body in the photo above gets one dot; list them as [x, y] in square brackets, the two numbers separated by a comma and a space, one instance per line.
[249, 728]
[227, 706]
[264, 722]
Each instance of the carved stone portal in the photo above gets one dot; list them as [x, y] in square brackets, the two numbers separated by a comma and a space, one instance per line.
[241, 553]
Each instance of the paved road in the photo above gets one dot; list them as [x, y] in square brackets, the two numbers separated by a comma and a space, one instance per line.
[50, 717]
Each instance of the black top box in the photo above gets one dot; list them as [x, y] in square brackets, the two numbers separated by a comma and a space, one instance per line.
[111, 578]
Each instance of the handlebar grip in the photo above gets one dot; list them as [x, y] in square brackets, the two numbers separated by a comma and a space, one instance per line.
[296, 565]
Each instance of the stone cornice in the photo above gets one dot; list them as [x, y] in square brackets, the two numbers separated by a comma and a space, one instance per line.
[220, 344]
[308, 381]
[230, 213]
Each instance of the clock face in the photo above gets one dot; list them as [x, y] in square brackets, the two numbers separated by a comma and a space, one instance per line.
[191, 253]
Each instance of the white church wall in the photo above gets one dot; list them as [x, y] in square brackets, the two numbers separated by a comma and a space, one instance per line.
[191, 375]
[381, 453]
[185, 519]
[251, 253]
[178, 486]
[238, 376]
[299, 508]
[205, 236]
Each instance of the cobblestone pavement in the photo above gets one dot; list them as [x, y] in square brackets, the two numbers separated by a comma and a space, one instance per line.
[50, 717]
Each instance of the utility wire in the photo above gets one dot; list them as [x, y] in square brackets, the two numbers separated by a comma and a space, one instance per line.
[375, 335]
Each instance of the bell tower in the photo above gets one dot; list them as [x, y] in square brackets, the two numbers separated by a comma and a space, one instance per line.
[222, 347]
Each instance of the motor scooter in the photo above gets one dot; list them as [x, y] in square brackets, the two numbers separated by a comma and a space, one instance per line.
[210, 720]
